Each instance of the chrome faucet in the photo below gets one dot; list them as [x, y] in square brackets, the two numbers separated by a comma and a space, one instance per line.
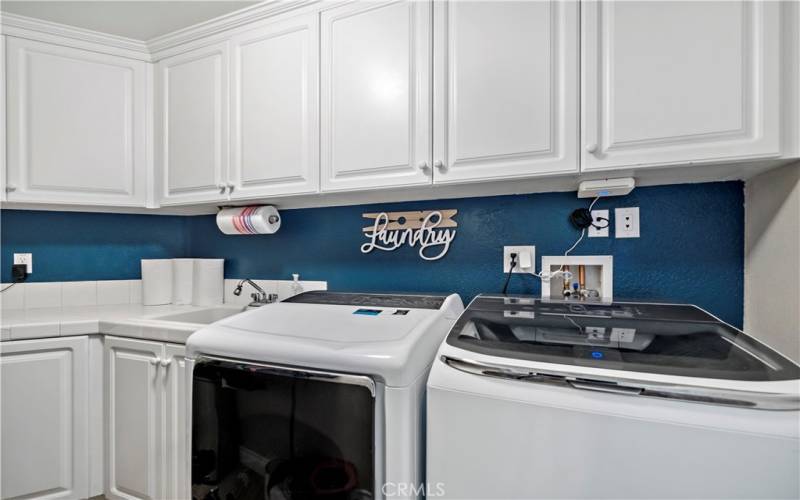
[260, 297]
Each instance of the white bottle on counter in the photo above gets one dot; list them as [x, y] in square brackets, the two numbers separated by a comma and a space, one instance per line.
[296, 286]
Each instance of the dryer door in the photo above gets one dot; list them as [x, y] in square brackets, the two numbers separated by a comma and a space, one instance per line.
[263, 431]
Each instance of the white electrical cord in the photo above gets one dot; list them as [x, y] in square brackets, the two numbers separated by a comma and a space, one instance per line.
[567, 275]
[591, 206]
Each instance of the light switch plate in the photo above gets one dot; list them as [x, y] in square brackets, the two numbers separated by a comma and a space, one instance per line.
[24, 258]
[525, 254]
[626, 222]
[600, 218]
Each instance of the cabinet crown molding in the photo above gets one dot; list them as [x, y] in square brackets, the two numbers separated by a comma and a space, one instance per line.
[143, 50]
[46, 31]
[225, 22]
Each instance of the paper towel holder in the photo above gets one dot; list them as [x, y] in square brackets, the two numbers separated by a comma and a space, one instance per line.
[248, 219]
[273, 219]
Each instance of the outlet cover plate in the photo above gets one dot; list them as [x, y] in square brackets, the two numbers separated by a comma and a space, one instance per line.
[519, 250]
[24, 258]
[600, 218]
[626, 222]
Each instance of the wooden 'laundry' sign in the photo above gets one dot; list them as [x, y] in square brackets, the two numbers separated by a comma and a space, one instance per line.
[432, 230]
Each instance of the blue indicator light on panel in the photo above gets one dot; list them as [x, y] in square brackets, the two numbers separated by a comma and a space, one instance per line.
[597, 355]
[367, 312]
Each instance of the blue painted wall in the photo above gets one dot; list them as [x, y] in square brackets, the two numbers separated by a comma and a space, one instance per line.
[75, 246]
[691, 247]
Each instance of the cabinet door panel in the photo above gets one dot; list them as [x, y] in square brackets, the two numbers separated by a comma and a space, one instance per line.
[672, 82]
[178, 431]
[3, 137]
[274, 94]
[506, 89]
[375, 95]
[45, 420]
[76, 128]
[192, 92]
[133, 418]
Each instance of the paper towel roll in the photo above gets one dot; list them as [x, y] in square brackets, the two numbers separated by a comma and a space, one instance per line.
[249, 220]
[208, 282]
[182, 272]
[156, 282]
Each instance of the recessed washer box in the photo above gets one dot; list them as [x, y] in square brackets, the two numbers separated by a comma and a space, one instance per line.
[599, 271]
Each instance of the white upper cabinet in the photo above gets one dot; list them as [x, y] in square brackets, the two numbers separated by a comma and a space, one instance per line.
[45, 419]
[76, 126]
[192, 126]
[275, 110]
[506, 89]
[376, 88]
[367, 95]
[676, 82]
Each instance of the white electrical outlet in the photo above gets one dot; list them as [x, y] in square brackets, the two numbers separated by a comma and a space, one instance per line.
[24, 258]
[599, 218]
[526, 258]
[626, 222]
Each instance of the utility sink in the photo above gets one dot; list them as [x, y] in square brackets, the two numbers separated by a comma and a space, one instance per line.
[203, 316]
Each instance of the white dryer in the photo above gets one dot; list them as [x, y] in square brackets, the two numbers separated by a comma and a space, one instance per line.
[537, 399]
[319, 396]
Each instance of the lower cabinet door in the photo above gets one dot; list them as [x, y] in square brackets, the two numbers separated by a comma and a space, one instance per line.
[45, 419]
[134, 386]
[177, 431]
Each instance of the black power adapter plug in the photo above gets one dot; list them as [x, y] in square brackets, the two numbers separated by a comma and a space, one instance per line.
[581, 218]
[19, 273]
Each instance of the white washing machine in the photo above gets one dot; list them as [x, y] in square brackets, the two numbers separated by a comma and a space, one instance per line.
[319, 396]
[537, 399]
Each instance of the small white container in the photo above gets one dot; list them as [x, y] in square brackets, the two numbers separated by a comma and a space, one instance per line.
[182, 279]
[208, 282]
[156, 282]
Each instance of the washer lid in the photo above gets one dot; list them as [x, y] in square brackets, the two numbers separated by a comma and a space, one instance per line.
[393, 337]
[680, 340]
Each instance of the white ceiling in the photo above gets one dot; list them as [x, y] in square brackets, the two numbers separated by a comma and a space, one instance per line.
[140, 20]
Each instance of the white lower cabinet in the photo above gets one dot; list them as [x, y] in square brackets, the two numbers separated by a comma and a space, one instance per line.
[145, 409]
[178, 434]
[133, 407]
[45, 418]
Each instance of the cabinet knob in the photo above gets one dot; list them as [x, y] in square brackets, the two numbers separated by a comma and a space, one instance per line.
[423, 166]
[10, 188]
[155, 361]
[440, 166]
[230, 187]
[166, 362]
[591, 147]
[222, 187]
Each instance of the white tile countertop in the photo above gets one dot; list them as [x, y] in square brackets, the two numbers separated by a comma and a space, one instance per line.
[125, 320]
[59, 309]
